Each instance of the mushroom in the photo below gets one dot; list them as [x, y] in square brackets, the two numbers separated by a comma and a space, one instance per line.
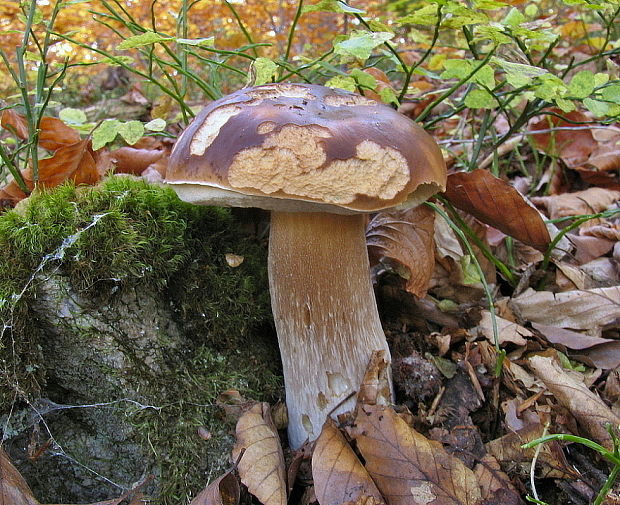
[319, 159]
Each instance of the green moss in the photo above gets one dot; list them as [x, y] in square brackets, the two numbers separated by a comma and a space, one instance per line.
[124, 235]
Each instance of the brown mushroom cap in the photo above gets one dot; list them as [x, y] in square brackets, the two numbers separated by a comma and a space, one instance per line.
[304, 147]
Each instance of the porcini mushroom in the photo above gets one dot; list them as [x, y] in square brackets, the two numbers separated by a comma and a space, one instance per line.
[319, 159]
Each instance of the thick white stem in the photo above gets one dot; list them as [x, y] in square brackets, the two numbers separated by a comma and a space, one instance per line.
[325, 314]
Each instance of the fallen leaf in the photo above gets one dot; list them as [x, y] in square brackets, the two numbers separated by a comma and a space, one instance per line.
[375, 388]
[605, 356]
[590, 201]
[338, 474]
[495, 485]
[15, 123]
[55, 134]
[129, 160]
[408, 468]
[72, 162]
[496, 203]
[589, 410]
[568, 338]
[404, 242]
[222, 491]
[573, 146]
[13, 487]
[261, 462]
[551, 462]
[579, 310]
[508, 332]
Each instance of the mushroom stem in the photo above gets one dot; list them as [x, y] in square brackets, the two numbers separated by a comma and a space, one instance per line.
[325, 314]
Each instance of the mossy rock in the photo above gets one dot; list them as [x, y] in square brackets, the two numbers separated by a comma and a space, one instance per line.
[122, 322]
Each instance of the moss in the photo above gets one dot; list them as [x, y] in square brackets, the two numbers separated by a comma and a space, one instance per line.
[127, 235]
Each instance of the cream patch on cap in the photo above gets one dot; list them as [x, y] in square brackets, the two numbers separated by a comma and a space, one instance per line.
[348, 100]
[210, 128]
[288, 91]
[290, 161]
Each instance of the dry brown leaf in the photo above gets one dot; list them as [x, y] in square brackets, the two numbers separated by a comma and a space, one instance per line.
[13, 488]
[73, 162]
[338, 474]
[588, 409]
[590, 201]
[508, 332]
[579, 310]
[496, 203]
[261, 467]
[55, 134]
[573, 146]
[408, 468]
[129, 160]
[222, 491]
[15, 123]
[404, 241]
[551, 462]
[495, 484]
[375, 388]
[568, 338]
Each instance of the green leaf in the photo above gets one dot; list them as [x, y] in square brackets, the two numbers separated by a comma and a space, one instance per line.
[566, 105]
[427, 16]
[131, 131]
[518, 74]
[388, 95]
[492, 33]
[342, 82]
[480, 99]
[144, 39]
[331, 6]
[363, 79]
[485, 76]
[550, 88]
[582, 84]
[117, 60]
[462, 16]
[470, 272]
[601, 109]
[513, 18]
[264, 70]
[361, 43]
[156, 125]
[72, 116]
[611, 93]
[489, 4]
[105, 133]
[601, 79]
[205, 42]
[456, 69]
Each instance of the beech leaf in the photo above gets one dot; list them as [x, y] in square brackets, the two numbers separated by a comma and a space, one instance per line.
[405, 241]
[55, 134]
[13, 487]
[261, 467]
[222, 491]
[407, 468]
[15, 123]
[496, 203]
[338, 474]
[589, 410]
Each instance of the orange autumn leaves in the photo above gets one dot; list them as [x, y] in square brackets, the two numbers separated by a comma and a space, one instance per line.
[72, 158]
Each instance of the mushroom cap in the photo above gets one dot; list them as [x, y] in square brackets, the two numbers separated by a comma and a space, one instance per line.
[304, 147]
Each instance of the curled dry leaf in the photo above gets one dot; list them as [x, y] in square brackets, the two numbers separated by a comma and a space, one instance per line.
[55, 134]
[339, 476]
[375, 388]
[551, 462]
[405, 240]
[13, 488]
[129, 160]
[588, 309]
[508, 332]
[496, 203]
[222, 491]
[261, 467]
[407, 468]
[15, 123]
[589, 410]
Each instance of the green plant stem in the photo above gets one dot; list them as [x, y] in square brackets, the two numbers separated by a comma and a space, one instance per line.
[291, 35]
[242, 26]
[452, 89]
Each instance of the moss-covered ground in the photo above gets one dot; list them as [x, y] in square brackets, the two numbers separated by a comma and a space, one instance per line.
[126, 234]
